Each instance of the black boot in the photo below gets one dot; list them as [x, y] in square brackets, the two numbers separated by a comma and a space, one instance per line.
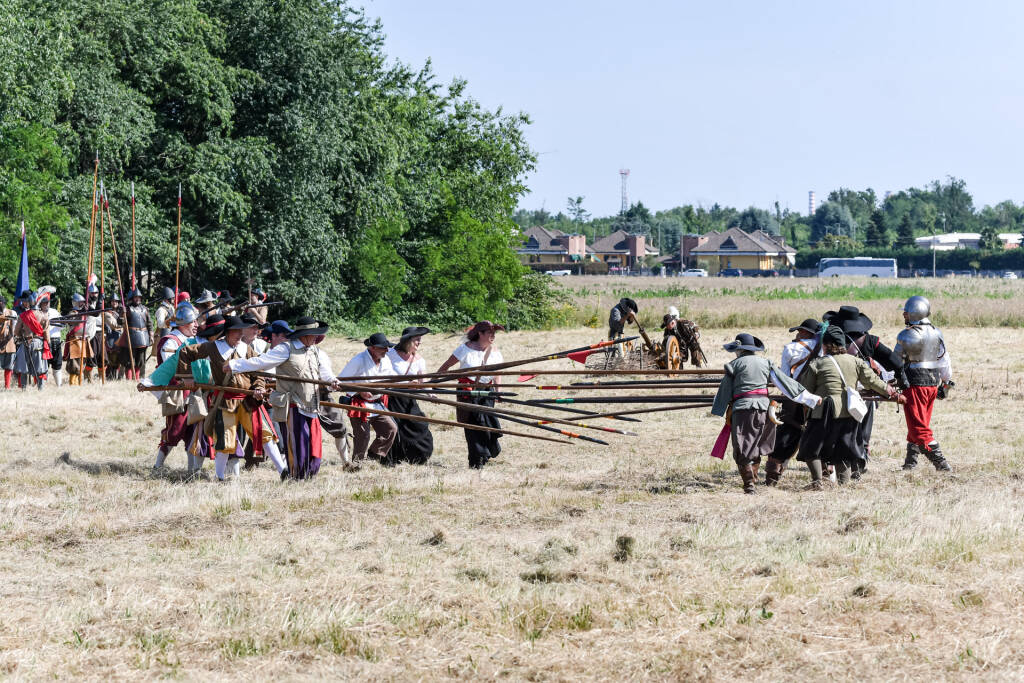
[911, 461]
[773, 471]
[747, 475]
[934, 454]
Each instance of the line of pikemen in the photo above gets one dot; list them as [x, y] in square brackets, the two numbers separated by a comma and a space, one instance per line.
[95, 339]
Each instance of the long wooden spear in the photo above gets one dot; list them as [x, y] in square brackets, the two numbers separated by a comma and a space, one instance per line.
[563, 432]
[619, 387]
[134, 281]
[432, 420]
[487, 410]
[120, 287]
[531, 372]
[659, 409]
[177, 255]
[623, 399]
[103, 328]
[88, 269]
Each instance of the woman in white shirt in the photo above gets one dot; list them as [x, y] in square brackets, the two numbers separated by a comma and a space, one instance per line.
[414, 443]
[478, 350]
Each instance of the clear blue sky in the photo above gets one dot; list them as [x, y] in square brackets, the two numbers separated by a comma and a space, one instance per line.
[743, 103]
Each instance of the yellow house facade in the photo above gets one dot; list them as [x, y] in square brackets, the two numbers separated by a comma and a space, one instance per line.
[735, 248]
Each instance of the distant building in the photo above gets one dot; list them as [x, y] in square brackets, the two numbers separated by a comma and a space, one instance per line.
[964, 240]
[621, 250]
[546, 246]
[747, 251]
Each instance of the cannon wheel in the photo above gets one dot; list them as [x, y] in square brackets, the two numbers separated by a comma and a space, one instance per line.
[673, 355]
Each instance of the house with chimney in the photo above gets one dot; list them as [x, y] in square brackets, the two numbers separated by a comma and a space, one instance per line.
[622, 250]
[545, 246]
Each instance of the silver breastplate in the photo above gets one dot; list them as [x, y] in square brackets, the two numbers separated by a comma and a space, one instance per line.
[921, 346]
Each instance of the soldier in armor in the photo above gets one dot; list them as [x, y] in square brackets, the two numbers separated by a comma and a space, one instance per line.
[926, 374]
[164, 314]
[54, 332]
[139, 338]
[30, 360]
[7, 347]
[76, 343]
[112, 323]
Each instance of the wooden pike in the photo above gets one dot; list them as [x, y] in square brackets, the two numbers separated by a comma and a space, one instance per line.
[660, 409]
[520, 373]
[88, 272]
[563, 432]
[605, 387]
[432, 420]
[103, 359]
[120, 285]
[177, 255]
[501, 412]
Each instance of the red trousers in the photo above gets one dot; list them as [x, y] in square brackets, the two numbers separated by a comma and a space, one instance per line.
[918, 410]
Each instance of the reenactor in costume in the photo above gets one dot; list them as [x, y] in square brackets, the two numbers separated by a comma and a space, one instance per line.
[163, 316]
[371, 362]
[112, 327]
[742, 399]
[30, 360]
[173, 404]
[92, 331]
[257, 297]
[926, 375]
[619, 316]
[7, 346]
[795, 356]
[138, 337]
[297, 404]
[76, 343]
[204, 304]
[686, 332]
[54, 330]
[882, 360]
[831, 432]
[227, 409]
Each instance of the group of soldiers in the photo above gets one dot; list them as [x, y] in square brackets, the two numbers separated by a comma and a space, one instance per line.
[823, 419]
[95, 336]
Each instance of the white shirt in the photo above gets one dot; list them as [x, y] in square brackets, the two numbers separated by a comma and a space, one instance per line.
[363, 366]
[176, 341]
[793, 353]
[54, 329]
[269, 360]
[417, 366]
[260, 345]
[473, 358]
[224, 349]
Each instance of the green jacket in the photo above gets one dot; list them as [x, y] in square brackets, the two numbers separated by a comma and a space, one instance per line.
[748, 373]
[821, 377]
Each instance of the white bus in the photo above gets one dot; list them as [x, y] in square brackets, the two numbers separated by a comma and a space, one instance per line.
[866, 266]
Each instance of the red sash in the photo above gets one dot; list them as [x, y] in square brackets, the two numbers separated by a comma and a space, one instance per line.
[36, 328]
[357, 401]
[718, 450]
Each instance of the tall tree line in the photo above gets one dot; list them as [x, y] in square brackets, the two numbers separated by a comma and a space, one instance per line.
[348, 185]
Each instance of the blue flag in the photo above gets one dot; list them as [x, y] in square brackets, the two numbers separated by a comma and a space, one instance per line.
[23, 268]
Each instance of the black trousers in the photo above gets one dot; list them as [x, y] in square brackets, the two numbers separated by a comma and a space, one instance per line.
[788, 434]
[414, 443]
[482, 446]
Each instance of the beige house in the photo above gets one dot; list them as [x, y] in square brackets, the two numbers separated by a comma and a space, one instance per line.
[622, 250]
[543, 246]
[747, 251]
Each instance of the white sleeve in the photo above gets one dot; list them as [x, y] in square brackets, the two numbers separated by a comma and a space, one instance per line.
[355, 367]
[326, 372]
[461, 352]
[167, 350]
[266, 361]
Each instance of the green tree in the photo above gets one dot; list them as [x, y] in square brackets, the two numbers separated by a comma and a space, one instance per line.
[577, 213]
[832, 218]
[877, 235]
[905, 234]
[752, 219]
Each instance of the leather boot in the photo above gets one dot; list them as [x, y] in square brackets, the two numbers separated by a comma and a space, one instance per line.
[911, 460]
[747, 475]
[773, 471]
[755, 467]
[934, 454]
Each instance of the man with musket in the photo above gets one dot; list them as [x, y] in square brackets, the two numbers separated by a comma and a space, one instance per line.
[228, 410]
[76, 343]
[255, 309]
[7, 346]
[30, 360]
[137, 340]
[926, 375]
[204, 304]
[297, 404]
[173, 404]
[164, 314]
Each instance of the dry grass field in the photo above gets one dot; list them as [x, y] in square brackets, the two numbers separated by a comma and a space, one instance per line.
[642, 560]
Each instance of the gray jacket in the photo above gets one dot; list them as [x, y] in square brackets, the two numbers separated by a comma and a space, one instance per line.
[750, 373]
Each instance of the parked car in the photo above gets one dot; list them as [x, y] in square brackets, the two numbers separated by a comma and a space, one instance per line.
[730, 272]
[762, 273]
[694, 272]
[557, 273]
[1009, 275]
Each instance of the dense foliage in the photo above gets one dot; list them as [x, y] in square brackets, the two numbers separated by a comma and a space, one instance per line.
[352, 187]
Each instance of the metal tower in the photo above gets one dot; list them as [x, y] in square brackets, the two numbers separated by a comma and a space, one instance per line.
[810, 203]
[624, 172]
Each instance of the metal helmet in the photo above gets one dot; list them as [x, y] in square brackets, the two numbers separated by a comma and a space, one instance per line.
[185, 313]
[133, 293]
[77, 298]
[167, 294]
[917, 309]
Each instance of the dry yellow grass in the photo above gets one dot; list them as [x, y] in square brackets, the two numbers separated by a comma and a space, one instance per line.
[110, 571]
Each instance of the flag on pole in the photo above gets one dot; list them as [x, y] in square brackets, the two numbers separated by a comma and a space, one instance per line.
[22, 282]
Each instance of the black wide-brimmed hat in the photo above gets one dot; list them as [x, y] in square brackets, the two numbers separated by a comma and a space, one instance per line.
[626, 302]
[224, 296]
[850, 319]
[215, 325]
[809, 325]
[744, 342]
[233, 322]
[414, 331]
[378, 339]
[250, 320]
[308, 325]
